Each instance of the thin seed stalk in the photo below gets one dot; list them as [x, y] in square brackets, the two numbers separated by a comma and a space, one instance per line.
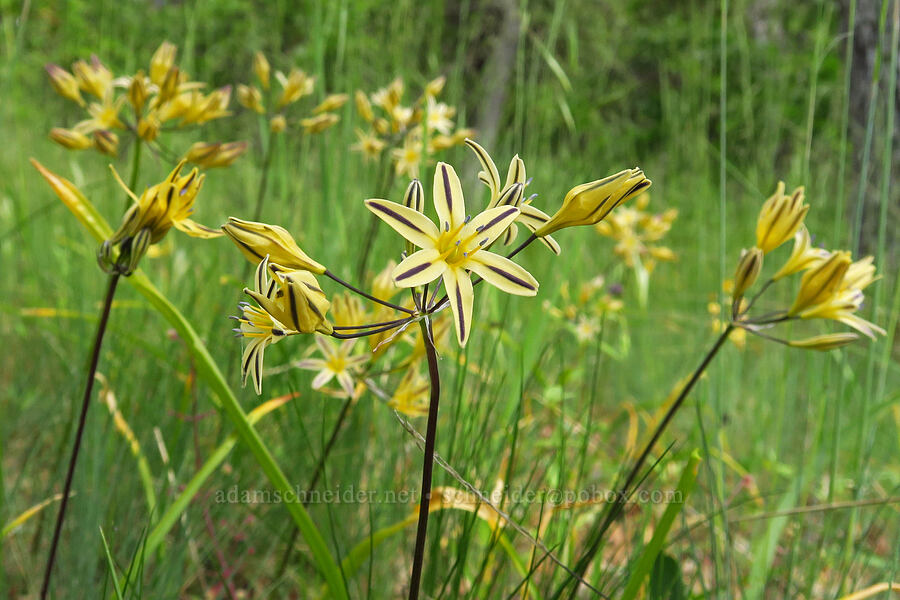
[624, 491]
[428, 465]
[79, 434]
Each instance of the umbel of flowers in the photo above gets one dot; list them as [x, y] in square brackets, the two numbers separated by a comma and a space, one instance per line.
[141, 104]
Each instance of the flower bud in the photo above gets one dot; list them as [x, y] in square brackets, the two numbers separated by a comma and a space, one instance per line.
[319, 123]
[745, 275]
[162, 62]
[277, 124]
[258, 240]
[821, 283]
[149, 126]
[64, 83]
[69, 138]
[780, 218]
[262, 69]
[803, 256]
[250, 97]
[217, 154]
[295, 86]
[589, 203]
[828, 341]
[435, 86]
[106, 142]
[93, 78]
[363, 106]
[137, 91]
[331, 103]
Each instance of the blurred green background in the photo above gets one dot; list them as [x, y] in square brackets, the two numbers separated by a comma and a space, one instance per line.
[715, 106]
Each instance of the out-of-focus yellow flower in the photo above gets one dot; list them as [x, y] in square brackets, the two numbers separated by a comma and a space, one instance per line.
[104, 115]
[412, 394]
[383, 285]
[407, 157]
[64, 83]
[162, 61]
[363, 106]
[347, 310]
[803, 256]
[781, 216]
[434, 87]
[93, 78]
[825, 342]
[106, 142]
[589, 203]
[369, 145]
[215, 154]
[339, 363]
[747, 272]
[149, 126]
[319, 123]
[206, 108]
[261, 69]
[439, 116]
[332, 102]
[294, 86]
[250, 97]
[277, 124]
[455, 248]
[67, 138]
[258, 240]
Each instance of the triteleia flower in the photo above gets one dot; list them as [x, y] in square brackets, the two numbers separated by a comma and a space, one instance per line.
[262, 69]
[106, 142]
[589, 203]
[408, 157]
[294, 86]
[821, 283]
[412, 395]
[258, 240]
[250, 97]
[781, 216]
[455, 248]
[440, 116]
[363, 106]
[260, 326]
[71, 139]
[747, 271]
[138, 91]
[435, 86]
[298, 302]
[347, 310]
[339, 363]
[803, 256]
[529, 216]
[277, 124]
[64, 83]
[319, 123]
[370, 145]
[331, 103]
[829, 341]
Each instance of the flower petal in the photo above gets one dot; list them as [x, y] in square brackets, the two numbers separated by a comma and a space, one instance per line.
[409, 223]
[503, 273]
[194, 229]
[534, 218]
[462, 299]
[311, 364]
[252, 362]
[490, 176]
[323, 377]
[516, 173]
[419, 268]
[448, 197]
[346, 381]
[488, 225]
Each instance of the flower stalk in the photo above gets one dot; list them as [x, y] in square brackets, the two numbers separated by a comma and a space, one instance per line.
[79, 434]
[428, 465]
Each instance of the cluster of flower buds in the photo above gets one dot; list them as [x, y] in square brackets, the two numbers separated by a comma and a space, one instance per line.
[831, 285]
[165, 95]
[262, 99]
[406, 130]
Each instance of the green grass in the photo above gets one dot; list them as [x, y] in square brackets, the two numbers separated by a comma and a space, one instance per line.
[594, 88]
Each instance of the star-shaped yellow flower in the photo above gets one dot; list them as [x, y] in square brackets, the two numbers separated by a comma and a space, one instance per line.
[456, 248]
[339, 363]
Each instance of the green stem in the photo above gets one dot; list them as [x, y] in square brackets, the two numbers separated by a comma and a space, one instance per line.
[428, 466]
[135, 165]
[79, 434]
[625, 490]
[264, 178]
[385, 181]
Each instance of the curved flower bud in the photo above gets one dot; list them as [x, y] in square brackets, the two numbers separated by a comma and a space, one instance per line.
[319, 123]
[363, 106]
[277, 124]
[258, 240]
[106, 142]
[161, 62]
[589, 203]
[250, 97]
[64, 83]
[215, 154]
[93, 78]
[435, 86]
[781, 216]
[803, 256]
[294, 86]
[138, 92]
[261, 69]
